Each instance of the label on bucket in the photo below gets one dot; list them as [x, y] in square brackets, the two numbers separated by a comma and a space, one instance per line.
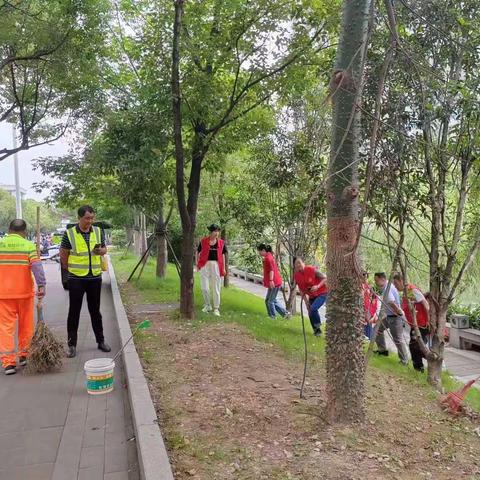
[99, 384]
[99, 377]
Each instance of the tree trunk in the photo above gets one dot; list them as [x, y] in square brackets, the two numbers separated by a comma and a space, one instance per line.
[188, 226]
[161, 234]
[129, 232]
[344, 350]
[143, 234]
[438, 319]
[162, 256]
[136, 234]
[226, 279]
[187, 307]
[292, 299]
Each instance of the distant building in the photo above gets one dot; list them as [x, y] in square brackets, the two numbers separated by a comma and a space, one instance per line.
[11, 189]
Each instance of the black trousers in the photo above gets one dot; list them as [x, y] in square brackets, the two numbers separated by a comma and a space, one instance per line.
[77, 287]
[415, 351]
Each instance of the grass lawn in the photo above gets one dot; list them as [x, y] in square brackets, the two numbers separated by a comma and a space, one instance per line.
[248, 310]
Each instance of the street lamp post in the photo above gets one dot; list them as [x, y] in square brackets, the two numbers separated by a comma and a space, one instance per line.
[18, 197]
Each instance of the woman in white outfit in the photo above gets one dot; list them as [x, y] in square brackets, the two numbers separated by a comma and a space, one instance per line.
[211, 254]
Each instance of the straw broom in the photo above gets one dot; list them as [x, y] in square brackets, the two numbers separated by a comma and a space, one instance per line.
[46, 352]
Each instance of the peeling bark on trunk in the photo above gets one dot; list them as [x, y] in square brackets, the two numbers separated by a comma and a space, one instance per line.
[345, 361]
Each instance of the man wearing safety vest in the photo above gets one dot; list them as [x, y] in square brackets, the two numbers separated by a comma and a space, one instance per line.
[81, 250]
[211, 254]
[18, 261]
[422, 308]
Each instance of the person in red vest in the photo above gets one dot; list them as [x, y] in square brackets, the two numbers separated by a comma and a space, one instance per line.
[211, 259]
[313, 285]
[272, 281]
[422, 309]
[370, 304]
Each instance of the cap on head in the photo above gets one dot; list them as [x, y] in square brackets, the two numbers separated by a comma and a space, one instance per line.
[18, 226]
[214, 228]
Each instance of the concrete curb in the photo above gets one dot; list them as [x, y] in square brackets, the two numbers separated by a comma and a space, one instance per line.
[152, 454]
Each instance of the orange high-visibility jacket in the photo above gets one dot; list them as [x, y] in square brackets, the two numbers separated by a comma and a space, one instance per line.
[16, 258]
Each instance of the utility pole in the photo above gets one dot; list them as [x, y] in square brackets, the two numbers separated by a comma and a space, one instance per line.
[18, 197]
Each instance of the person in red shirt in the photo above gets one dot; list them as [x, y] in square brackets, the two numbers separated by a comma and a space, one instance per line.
[211, 260]
[313, 285]
[370, 304]
[422, 309]
[272, 281]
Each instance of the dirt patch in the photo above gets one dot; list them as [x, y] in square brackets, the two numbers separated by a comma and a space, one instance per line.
[229, 408]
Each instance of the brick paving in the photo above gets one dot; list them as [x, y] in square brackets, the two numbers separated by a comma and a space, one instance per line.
[50, 428]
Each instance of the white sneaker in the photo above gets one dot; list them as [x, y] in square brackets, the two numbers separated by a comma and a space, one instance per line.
[216, 312]
[287, 316]
[206, 309]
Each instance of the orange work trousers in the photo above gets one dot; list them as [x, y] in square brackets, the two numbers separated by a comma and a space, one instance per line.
[10, 311]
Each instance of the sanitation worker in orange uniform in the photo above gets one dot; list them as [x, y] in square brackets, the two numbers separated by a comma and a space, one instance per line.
[18, 261]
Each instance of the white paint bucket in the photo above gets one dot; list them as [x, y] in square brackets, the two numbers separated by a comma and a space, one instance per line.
[99, 373]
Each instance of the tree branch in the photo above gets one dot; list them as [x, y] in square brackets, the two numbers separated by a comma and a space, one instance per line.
[37, 55]
[234, 100]
[7, 152]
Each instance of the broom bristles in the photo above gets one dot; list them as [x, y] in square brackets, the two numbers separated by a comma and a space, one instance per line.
[46, 353]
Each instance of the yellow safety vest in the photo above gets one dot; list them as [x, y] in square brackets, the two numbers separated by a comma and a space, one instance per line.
[81, 254]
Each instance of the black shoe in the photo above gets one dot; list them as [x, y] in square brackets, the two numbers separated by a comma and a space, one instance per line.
[383, 353]
[72, 352]
[317, 332]
[22, 361]
[104, 347]
[421, 369]
[10, 370]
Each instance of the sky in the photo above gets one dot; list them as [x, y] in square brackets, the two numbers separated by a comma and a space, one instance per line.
[27, 174]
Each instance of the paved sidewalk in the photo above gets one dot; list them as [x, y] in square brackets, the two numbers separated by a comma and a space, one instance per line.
[462, 364]
[50, 428]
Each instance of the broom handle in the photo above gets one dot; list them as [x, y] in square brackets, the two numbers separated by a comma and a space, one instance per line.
[126, 343]
[40, 310]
